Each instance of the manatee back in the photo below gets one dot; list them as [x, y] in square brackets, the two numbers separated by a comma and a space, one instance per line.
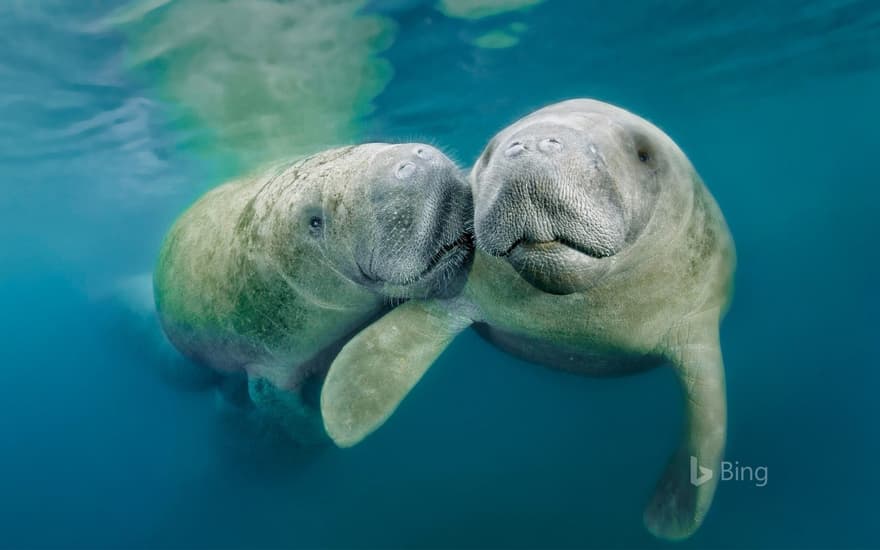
[193, 284]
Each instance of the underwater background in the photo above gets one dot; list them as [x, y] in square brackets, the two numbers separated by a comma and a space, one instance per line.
[114, 116]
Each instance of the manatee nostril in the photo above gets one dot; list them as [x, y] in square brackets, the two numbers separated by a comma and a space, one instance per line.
[514, 149]
[423, 153]
[550, 145]
[405, 170]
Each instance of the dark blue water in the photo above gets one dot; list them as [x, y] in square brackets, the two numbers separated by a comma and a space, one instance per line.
[113, 119]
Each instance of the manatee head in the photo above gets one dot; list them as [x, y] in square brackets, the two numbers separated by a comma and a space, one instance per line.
[402, 223]
[562, 191]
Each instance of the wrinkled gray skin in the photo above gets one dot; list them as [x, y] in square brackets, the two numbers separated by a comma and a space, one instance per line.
[599, 251]
[265, 278]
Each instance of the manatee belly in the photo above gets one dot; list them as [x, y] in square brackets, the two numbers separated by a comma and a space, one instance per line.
[586, 360]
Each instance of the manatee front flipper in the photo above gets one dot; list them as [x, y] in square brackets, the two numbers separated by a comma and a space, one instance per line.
[685, 492]
[378, 367]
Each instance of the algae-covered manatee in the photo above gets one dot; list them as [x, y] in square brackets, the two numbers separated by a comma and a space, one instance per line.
[270, 275]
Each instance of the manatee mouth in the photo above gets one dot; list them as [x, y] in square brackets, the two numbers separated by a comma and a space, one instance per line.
[557, 244]
[558, 266]
[449, 256]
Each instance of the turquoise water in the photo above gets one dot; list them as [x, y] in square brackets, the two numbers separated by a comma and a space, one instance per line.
[114, 116]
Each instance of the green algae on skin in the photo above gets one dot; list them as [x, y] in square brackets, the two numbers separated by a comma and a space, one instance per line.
[262, 80]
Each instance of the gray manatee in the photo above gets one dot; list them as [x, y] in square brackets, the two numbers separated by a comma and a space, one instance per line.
[265, 278]
[599, 251]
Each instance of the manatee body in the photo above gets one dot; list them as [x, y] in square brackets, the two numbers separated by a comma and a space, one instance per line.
[265, 278]
[599, 251]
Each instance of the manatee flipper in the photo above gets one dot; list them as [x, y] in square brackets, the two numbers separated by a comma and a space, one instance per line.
[377, 368]
[685, 491]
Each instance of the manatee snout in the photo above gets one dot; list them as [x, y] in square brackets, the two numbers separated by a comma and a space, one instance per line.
[423, 212]
[547, 200]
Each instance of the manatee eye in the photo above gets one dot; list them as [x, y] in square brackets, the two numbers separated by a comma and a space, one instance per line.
[316, 225]
[644, 156]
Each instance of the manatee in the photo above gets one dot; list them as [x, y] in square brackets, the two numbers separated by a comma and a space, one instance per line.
[265, 278]
[599, 251]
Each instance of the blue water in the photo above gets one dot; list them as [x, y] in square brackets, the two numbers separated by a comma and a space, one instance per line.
[776, 104]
